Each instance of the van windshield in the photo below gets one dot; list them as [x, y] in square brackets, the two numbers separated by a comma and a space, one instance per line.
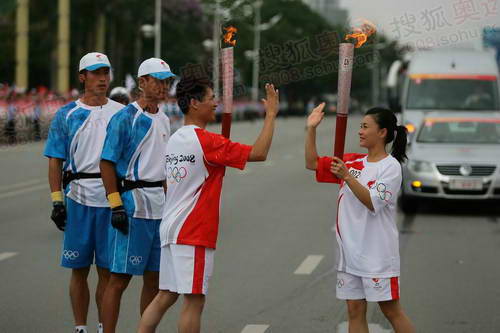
[441, 92]
[469, 131]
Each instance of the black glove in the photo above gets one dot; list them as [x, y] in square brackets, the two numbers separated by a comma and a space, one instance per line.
[59, 215]
[119, 219]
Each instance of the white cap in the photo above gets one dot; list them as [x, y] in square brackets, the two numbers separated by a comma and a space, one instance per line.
[155, 67]
[118, 91]
[93, 61]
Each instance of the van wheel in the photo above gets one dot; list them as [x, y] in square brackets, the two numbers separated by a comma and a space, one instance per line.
[408, 204]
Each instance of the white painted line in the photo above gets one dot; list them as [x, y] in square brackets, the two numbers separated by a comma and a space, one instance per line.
[268, 163]
[255, 328]
[7, 255]
[372, 328]
[22, 184]
[309, 265]
[24, 190]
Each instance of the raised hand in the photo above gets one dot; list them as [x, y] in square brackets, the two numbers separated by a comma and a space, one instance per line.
[272, 100]
[316, 116]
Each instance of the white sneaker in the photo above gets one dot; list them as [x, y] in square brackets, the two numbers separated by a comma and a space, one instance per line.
[100, 329]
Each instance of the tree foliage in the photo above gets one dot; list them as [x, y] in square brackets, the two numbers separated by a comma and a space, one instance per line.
[296, 44]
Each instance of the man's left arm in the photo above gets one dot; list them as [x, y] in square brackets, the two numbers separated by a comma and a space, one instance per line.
[116, 136]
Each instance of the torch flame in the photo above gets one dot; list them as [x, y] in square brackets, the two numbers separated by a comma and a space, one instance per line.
[362, 33]
[229, 35]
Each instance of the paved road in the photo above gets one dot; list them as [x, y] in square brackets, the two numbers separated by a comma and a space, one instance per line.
[273, 269]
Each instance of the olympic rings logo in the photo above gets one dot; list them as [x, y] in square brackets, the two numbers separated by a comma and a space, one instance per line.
[70, 255]
[176, 174]
[383, 193]
[135, 260]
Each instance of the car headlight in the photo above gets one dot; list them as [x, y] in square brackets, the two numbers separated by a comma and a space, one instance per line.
[410, 128]
[420, 166]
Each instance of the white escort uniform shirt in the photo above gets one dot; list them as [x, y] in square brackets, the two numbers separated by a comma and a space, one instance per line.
[77, 135]
[136, 142]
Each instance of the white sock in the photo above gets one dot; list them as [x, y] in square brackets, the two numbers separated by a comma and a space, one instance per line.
[81, 329]
[99, 328]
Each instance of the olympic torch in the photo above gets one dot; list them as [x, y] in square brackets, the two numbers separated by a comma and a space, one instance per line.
[346, 58]
[227, 59]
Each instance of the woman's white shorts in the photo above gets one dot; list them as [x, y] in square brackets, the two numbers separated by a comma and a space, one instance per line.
[351, 287]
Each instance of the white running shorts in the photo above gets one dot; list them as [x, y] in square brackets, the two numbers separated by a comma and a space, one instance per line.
[351, 287]
[186, 269]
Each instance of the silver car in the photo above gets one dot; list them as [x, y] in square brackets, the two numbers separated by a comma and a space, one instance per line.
[453, 156]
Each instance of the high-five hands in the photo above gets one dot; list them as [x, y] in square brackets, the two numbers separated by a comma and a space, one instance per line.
[272, 100]
[316, 116]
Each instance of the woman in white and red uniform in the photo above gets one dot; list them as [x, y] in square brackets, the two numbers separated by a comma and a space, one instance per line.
[367, 236]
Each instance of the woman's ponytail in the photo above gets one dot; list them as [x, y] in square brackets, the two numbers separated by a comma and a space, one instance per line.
[399, 145]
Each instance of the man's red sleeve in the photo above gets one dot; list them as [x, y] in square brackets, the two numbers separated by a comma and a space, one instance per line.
[223, 152]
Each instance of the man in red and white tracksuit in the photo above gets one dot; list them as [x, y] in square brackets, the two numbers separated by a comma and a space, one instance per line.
[196, 161]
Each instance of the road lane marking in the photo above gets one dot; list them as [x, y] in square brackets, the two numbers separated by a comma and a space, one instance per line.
[24, 190]
[309, 265]
[372, 328]
[255, 328]
[22, 184]
[7, 255]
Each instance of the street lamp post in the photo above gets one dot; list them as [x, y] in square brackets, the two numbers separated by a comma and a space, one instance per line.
[158, 29]
[375, 78]
[225, 13]
[256, 47]
[63, 39]
[216, 48]
[258, 27]
[375, 69]
[22, 35]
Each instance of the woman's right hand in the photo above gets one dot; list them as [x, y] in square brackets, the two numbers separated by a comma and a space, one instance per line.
[316, 116]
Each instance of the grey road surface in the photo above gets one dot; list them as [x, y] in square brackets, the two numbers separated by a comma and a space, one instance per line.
[274, 262]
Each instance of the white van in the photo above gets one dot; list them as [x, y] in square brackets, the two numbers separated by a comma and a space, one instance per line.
[452, 80]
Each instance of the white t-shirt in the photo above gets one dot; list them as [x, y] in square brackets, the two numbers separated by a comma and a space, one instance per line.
[77, 135]
[368, 241]
[196, 161]
[136, 142]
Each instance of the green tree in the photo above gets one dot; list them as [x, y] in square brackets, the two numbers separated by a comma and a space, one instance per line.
[288, 49]
[302, 26]
[183, 31]
[7, 40]
[186, 24]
